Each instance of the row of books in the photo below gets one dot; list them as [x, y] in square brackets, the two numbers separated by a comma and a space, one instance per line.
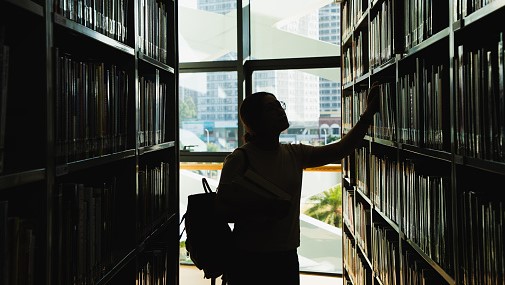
[425, 201]
[152, 195]
[152, 267]
[350, 116]
[348, 168]
[348, 207]
[384, 181]
[153, 38]
[347, 113]
[479, 77]
[17, 248]
[362, 226]
[361, 171]
[92, 108]
[384, 124]
[420, 103]
[4, 80]
[109, 17]
[347, 66]
[85, 223]
[482, 248]
[385, 250]
[352, 11]
[353, 59]
[153, 105]
[357, 269]
[463, 8]
[382, 35]
[418, 25]
[359, 52]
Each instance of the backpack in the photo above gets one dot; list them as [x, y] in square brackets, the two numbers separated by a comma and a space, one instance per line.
[207, 236]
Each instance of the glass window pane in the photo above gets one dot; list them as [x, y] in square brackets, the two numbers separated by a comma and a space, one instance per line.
[320, 226]
[290, 29]
[207, 30]
[321, 222]
[208, 104]
[312, 99]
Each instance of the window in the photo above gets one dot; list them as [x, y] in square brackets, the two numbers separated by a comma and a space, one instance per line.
[303, 91]
[213, 37]
[283, 29]
[210, 91]
[208, 110]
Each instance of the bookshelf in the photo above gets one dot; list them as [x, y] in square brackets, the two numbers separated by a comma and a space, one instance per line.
[89, 190]
[422, 193]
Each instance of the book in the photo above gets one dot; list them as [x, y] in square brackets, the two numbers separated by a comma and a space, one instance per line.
[501, 98]
[4, 246]
[4, 80]
[14, 225]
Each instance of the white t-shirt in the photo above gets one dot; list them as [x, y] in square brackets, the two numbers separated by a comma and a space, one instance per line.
[284, 168]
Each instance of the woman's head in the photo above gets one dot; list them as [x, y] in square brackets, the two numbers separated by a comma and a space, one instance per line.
[262, 115]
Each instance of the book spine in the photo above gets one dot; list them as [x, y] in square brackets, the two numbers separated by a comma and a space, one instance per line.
[4, 82]
[4, 243]
[501, 98]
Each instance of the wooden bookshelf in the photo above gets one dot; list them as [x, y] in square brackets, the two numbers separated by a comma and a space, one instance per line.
[89, 161]
[425, 186]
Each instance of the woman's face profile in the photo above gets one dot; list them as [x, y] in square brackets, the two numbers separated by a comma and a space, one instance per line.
[274, 119]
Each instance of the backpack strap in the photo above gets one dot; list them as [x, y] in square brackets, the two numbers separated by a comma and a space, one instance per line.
[246, 158]
[206, 187]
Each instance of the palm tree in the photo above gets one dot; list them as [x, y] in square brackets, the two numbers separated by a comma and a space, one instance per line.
[327, 206]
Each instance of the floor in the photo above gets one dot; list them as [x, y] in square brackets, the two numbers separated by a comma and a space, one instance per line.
[190, 275]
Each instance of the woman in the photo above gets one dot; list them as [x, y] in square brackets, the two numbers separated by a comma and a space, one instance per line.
[266, 232]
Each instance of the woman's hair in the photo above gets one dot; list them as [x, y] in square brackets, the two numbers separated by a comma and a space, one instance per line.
[251, 112]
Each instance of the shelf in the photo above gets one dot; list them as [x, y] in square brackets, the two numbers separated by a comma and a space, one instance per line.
[153, 148]
[443, 34]
[486, 165]
[385, 142]
[22, 178]
[433, 68]
[155, 62]
[386, 219]
[360, 80]
[118, 267]
[150, 232]
[78, 79]
[384, 66]
[75, 166]
[431, 153]
[347, 225]
[90, 33]
[348, 85]
[363, 255]
[361, 21]
[364, 197]
[346, 39]
[432, 263]
[482, 13]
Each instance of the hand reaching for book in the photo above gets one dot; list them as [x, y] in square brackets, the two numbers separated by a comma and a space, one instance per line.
[373, 100]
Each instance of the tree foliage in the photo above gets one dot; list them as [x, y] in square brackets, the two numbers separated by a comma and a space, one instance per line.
[187, 108]
[327, 206]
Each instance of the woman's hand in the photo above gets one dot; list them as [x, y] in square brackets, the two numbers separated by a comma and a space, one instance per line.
[373, 99]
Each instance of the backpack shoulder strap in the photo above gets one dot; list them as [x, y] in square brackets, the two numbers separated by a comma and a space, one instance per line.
[206, 186]
[246, 158]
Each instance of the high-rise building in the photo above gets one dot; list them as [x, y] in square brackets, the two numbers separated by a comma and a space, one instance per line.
[313, 102]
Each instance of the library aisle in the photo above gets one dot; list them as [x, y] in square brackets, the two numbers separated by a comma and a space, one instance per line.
[190, 275]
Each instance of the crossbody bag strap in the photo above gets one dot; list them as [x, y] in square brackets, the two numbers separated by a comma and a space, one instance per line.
[246, 158]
